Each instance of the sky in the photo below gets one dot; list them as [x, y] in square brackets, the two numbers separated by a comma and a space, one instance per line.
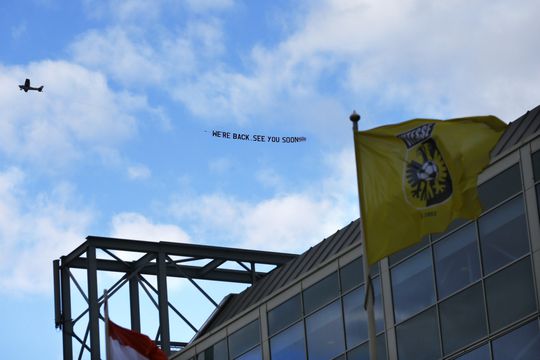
[121, 141]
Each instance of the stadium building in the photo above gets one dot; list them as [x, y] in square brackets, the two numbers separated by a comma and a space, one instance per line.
[470, 293]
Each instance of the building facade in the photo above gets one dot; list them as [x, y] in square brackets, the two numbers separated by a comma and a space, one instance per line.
[471, 293]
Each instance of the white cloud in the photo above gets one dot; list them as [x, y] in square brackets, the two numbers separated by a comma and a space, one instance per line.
[136, 10]
[290, 221]
[139, 172]
[137, 226]
[125, 11]
[203, 6]
[420, 57]
[77, 112]
[447, 59]
[114, 52]
[140, 55]
[35, 230]
[293, 221]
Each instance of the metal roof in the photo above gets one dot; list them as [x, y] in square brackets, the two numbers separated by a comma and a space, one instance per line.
[519, 131]
[284, 275]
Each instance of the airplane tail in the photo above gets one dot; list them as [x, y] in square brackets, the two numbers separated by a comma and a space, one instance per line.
[40, 89]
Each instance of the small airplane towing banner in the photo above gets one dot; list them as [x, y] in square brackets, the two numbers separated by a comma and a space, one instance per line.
[257, 138]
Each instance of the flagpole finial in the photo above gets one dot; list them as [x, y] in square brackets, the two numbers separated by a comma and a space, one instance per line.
[354, 117]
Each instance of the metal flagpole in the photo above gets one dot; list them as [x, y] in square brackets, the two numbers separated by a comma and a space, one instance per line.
[107, 340]
[369, 293]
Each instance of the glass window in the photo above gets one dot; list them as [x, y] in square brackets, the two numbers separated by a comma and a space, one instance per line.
[482, 353]
[463, 318]
[244, 339]
[321, 293]
[400, 255]
[522, 343]
[453, 225]
[284, 314]
[456, 261]
[418, 338]
[538, 197]
[378, 307]
[412, 285]
[510, 294]
[503, 235]
[254, 354]
[324, 331]
[374, 269]
[289, 344]
[500, 187]
[216, 352]
[536, 165]
[356, 317]
[352, 275]
[362, 352]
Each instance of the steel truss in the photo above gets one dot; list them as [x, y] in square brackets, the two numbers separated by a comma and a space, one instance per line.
[160, 259]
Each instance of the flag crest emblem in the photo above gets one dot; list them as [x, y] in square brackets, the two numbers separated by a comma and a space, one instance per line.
[426, 178]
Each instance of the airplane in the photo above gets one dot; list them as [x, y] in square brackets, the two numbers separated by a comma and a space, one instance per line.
[27, 86]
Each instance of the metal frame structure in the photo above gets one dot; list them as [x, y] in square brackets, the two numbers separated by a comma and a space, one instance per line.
[160, 259]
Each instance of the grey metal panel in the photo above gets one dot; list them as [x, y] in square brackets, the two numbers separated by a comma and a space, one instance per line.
[215, 314]
[252, 294]
[522, 128]
[506, 138]
[290, 273]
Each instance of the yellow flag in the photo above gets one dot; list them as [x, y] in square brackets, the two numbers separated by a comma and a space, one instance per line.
[415, 177]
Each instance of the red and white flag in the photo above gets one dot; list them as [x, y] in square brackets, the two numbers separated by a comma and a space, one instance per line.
[126, 344]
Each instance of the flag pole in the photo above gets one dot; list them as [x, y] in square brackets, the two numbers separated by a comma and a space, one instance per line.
[368, 285]
[107, 340]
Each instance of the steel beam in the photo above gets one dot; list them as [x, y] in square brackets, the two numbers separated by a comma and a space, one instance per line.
[134, 304]
[201, 290]
[173, 270]
[203, 251]
[81, 249]
[163, 303]
[57, 296]
[67, 325]
[93, 302]
[160, 259]
[212, 265]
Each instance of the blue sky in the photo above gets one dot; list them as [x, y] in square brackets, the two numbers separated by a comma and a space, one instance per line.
[120, 141]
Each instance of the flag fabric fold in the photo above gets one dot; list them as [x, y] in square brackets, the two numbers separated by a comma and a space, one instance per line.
[416, 177]
[126, 344]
